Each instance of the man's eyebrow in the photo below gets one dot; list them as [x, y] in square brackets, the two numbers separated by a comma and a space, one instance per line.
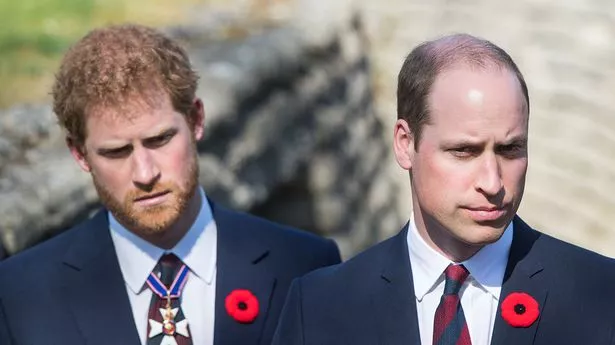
[461, 142]
[106, 150]
[518, 139]
[162, 133]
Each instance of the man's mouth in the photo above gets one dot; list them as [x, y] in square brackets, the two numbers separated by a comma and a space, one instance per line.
[486, 213]
[151, 199]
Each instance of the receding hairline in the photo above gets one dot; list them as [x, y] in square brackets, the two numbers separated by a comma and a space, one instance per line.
[462, 50]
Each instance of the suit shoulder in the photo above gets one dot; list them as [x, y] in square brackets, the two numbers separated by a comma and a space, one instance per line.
[564, 253]
[353, 270]
[36, 262]
[44, 251]
[271, 231]
[290, 249]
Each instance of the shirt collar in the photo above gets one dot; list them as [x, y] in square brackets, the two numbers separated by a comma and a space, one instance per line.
[197, 249]
[486, 267]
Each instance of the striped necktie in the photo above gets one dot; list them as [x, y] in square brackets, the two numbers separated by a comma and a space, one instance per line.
[450, 327]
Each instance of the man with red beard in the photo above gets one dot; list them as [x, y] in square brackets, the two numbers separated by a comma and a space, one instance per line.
[161, 264]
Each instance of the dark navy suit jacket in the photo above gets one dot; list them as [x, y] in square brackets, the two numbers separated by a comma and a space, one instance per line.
[69, 290]
[370, 298]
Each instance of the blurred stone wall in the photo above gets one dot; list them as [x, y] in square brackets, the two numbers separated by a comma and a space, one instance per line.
[293, 135]
[565, 50]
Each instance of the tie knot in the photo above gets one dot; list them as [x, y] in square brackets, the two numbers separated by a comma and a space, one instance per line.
[168, 266]
[455, 275]
[170, 260]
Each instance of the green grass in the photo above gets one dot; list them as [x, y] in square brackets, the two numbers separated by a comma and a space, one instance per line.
[35, 33]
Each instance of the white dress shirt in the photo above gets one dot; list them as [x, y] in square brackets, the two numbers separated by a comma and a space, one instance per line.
[479, 294]
[197, 249]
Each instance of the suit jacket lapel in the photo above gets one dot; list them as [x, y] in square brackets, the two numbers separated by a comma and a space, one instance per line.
[94, 287]
[239, 255]
[523, 274]
[393, 300]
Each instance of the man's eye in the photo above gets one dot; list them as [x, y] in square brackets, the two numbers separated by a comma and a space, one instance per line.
[512, 150]
[159, 140]
[116, 153]
[464, 151]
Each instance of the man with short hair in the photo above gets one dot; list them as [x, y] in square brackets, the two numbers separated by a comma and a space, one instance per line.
[161, 263]
[465, 269]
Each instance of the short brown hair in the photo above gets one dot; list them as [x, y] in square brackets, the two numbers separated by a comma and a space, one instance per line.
[431, 58]
[111, 64]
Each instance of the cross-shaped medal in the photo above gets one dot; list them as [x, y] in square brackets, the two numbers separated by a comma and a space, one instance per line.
[168, 326]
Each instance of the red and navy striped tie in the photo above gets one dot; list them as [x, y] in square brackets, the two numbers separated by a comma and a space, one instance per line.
[450, 327]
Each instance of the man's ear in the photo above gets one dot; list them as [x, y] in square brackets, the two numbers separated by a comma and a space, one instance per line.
[197, 118]
[403, 144]
[77, 150]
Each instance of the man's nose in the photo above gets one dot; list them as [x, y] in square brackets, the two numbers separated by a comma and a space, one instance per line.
[489, 179]
[145, 170]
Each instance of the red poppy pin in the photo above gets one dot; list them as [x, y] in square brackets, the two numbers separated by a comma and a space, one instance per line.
[242, 305]
[520, 309]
